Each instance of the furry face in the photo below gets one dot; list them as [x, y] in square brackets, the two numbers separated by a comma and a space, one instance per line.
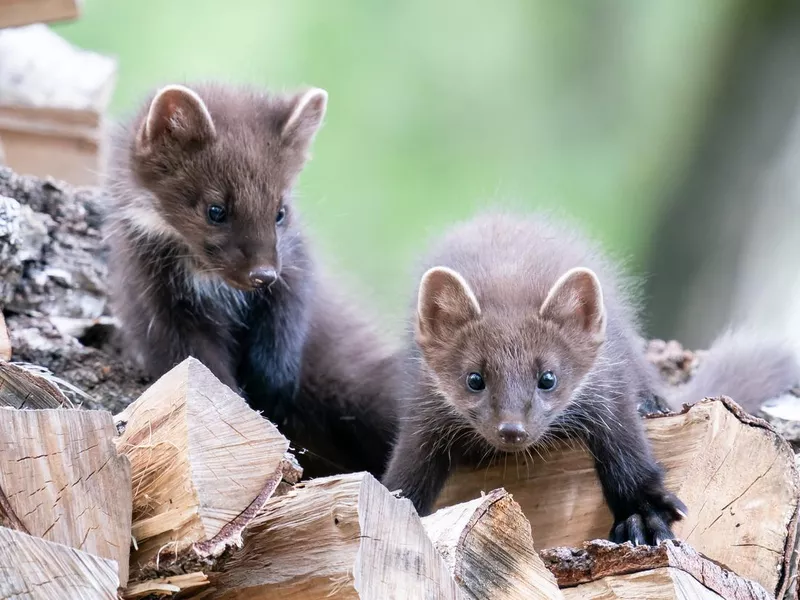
[510, 376]
[220, 184]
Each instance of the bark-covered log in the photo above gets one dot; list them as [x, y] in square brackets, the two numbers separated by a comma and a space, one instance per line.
[53, 259]
[735, 474]
[53, 277]
[601, 569]
[487, 545]
[203, 464]
[61, 479]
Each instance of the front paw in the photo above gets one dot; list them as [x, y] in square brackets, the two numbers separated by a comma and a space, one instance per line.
[649, 523]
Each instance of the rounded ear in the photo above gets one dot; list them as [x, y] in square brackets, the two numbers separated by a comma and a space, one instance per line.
[305, 118]
[576, 301]
[445, 303]
[178, 113]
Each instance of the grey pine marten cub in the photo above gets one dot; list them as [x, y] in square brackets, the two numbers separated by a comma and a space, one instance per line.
[209, 259]
[523, 333]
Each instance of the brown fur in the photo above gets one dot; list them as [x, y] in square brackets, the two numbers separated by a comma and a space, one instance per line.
[746, 366]
[512, 263]
[181, 284]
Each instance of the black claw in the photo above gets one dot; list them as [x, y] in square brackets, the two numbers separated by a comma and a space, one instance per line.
[651, 523]
[636, 532]
[618, 533]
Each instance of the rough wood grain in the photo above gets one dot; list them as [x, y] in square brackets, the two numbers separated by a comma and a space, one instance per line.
[52, 100]
[15, 13]
[5, 341]
[487, 545]
[337, 537]
[736, 475]
[34, 569]
[23, 388]
[659, 584]
[62, 480]
[601, 559]
[203, 463]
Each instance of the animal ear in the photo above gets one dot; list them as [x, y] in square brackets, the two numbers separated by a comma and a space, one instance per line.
[305, 118]
[177, 113]
[445, 302]
[576, 300]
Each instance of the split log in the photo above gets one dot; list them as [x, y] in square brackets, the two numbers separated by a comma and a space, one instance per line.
[601, 569]
[52, 100]
[35, 569]
[487, 545]
[15, 13]
[735, 474]
[61, 479]
[203, 463]
[5, 341]
[336, 537]
[22, 388]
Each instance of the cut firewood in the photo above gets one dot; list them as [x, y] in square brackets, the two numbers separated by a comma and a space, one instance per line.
[35, 569]
[735, 474]
[52, 100]
[5, 341]
[487, 545]
[337, 537]
[601, 569]
[203, 463]
[23, 388]
[14, 13]
[61, 479]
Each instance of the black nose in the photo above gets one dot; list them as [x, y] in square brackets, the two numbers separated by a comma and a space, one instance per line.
[263, 276]
[512, 433]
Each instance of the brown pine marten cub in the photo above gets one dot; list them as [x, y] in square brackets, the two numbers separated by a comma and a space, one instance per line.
[523, 334]
[208, 258]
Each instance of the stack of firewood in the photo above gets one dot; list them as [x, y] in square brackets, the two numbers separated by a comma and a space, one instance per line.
[52, 95]
[188, 492]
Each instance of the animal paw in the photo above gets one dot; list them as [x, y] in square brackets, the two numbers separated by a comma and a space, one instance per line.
[650, 524]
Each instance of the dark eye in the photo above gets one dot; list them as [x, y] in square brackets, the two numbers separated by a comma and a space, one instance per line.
[547, 381]
[217, 213]
[281, 215]
[475, 382]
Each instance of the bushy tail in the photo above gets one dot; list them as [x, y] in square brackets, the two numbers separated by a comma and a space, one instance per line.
[745, 366]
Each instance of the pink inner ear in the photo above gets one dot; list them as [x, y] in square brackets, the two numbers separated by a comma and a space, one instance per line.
[576, 299]
[179, 113]
[445, 302]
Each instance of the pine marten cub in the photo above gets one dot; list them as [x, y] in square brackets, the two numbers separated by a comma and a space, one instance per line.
[523, 333]
[209, 259]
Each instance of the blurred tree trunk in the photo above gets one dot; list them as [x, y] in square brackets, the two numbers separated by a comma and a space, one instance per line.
[728, 247]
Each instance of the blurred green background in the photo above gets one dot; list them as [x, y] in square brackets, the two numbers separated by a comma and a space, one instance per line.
[596, 108]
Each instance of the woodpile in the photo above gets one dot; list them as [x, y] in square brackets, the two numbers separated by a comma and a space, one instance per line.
[113, 486]
[188, 493]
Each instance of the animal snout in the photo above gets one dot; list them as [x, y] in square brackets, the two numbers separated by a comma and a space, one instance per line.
[262, 276]
[512, 433]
